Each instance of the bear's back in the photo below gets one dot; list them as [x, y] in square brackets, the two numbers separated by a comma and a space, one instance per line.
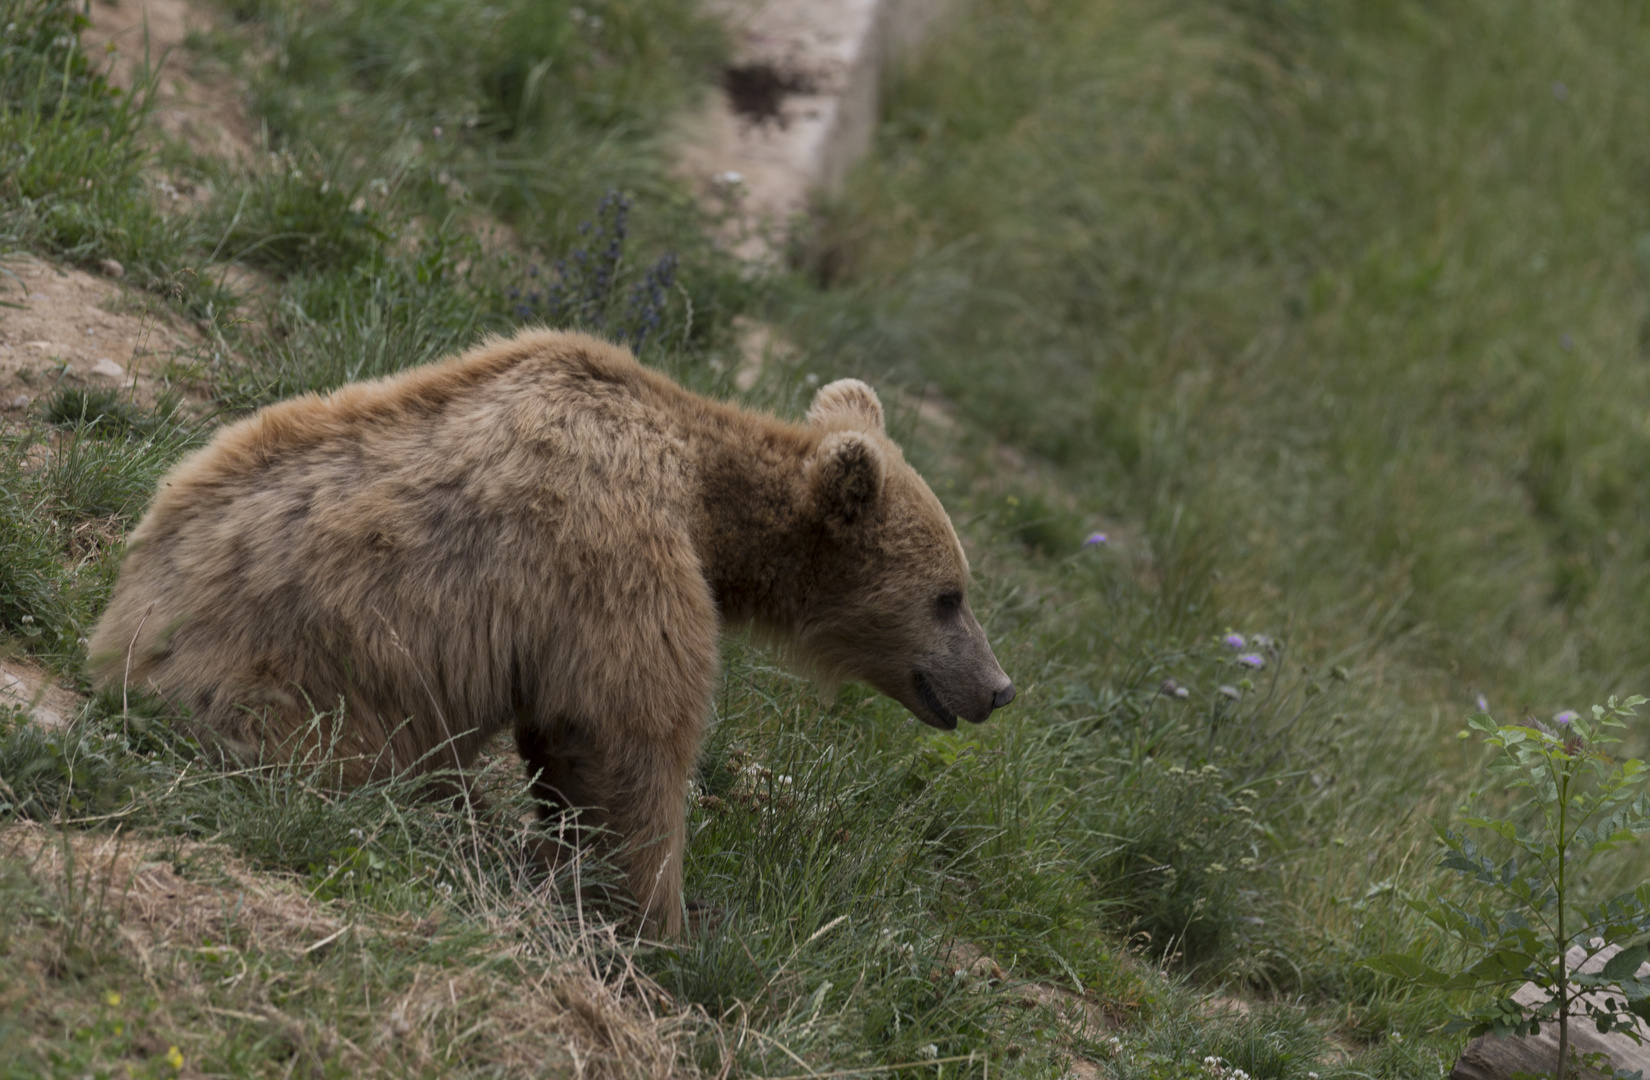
[543, 398]
[538, 483]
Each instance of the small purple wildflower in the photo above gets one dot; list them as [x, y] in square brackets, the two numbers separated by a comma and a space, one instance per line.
[1174, 689]
[1262, 641]
[1254, 660]
[1095, 539]
[1235, 641]
[1565, 717]
[1483, 703]
[1232, 692]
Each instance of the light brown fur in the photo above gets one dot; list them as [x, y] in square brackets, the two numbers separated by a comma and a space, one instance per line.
[539, 535]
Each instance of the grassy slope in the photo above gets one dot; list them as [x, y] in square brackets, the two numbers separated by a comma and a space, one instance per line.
[1225, 273]
[1346, 303]
[1357, 290]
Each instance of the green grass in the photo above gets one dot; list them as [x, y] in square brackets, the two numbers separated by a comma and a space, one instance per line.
[72, 160]
[1344, 315]
[69, 494]
[1360, 305]
[1331, 315]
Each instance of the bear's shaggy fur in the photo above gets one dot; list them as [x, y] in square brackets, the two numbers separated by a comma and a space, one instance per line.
[544, 536]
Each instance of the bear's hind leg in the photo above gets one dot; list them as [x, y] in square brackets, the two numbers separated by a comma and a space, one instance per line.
[558, 761]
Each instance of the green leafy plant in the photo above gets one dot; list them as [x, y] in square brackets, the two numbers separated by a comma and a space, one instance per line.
[1571, 802]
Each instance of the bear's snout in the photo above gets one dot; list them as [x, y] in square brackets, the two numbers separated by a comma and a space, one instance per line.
[1002, 697]
[941, 706]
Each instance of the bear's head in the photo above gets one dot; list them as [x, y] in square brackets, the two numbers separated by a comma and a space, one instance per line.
[889, 602]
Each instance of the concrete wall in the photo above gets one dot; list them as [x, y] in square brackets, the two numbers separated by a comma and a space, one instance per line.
[834, 52]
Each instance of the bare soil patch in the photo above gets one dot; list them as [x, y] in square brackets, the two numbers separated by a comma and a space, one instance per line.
[28, 686]
[63, 327]
[157, 907]
[196, 101]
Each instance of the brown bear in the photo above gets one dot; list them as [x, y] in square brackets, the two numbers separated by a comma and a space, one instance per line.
[539, 535]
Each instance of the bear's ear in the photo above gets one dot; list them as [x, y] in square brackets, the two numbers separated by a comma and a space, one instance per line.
[847, 472]
[846, 401]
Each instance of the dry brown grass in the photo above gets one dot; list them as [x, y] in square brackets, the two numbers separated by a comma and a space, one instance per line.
[226, 955]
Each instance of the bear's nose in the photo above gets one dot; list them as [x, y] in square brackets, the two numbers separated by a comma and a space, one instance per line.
[1003, 696]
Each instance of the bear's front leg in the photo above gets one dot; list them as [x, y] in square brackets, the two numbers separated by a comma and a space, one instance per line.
[633, 793]
[617, 709]
[646, 809]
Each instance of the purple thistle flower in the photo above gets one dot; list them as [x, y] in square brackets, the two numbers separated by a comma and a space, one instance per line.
[1232, 692]
[1254, 660]
[1095, 539]
[1235, 641]
[1483, 703]
[1565, 717]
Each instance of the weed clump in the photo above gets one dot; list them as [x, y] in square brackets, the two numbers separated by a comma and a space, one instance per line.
[105, 412]
[31, 578]
[588, 290]
[299, 215]
[81, 772]
[72, 165]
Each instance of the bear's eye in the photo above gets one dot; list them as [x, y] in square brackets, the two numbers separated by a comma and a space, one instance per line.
[948, 604]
